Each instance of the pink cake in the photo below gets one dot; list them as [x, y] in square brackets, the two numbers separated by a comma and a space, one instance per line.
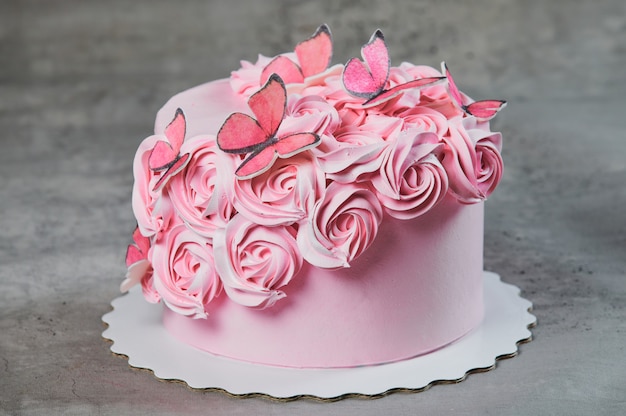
[305, 215]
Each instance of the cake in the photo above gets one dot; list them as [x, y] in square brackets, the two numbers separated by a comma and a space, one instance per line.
[309, 215]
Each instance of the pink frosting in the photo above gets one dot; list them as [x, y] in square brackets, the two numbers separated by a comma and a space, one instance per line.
[424, 119]
[184, 272]
[202, 192]
[254, 263]
[349, 154]
[342, 226]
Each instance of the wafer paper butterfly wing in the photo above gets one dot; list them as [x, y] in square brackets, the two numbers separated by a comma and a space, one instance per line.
[386, 95]
[139, 249]
[482, 110]
[165, 155]
[367, 79]
[136, 260]
[288, 70]
[284, 147]
[241, 133]
[314, 55]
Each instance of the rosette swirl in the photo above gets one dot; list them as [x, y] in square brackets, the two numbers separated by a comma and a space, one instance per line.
[309, 113]
[284, 194]
[202, 193]
[342, 226]
[254, 261]
[411, 179]
[184, 273]
[472, 160]
[488, 145]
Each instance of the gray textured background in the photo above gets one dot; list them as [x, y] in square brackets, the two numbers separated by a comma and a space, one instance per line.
[80, 83]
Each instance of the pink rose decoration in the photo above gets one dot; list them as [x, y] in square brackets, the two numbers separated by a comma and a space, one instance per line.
[350, 154]
[254, 261]
[473, 161]
[184, 272]
[309, 113]
[284, 194]
[422, 118]
[153, 210]
[411, 179]
[202, 192]
[342, 226]
[488, 145]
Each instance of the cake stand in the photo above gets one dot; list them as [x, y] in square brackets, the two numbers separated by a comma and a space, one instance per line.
[136, 330]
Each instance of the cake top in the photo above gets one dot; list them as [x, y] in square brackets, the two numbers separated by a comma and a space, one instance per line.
[299, 161]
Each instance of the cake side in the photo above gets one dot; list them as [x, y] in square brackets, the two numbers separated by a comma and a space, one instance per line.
[418, 288]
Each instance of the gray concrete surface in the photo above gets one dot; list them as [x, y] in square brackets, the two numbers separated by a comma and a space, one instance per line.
[81, 81]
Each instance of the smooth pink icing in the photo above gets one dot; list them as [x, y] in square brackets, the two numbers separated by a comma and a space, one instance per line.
[416, 289]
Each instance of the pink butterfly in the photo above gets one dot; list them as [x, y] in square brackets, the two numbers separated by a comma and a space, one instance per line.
[242, 134]
[138, 250]
[368, 80]
[136, 260]
[482, 110]
[165, 156]
[314, 55]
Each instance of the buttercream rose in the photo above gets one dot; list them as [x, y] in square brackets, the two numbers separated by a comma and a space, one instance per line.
[350, 154]
[309, 113]
[473, 161]
[342, 226]
[411, 179]
[255, 261]
[153, 210]
[202, 192]
[488, 146]
[424, 119]
[284, 194]
[184, 273]
[436, 96]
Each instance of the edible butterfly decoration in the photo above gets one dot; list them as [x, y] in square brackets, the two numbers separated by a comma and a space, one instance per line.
[242, 134]
[482, 110]
[136, 260]
[314, 55]
[166, 155]
[368, 79]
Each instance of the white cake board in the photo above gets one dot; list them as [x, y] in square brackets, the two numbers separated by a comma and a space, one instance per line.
[136, 330]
